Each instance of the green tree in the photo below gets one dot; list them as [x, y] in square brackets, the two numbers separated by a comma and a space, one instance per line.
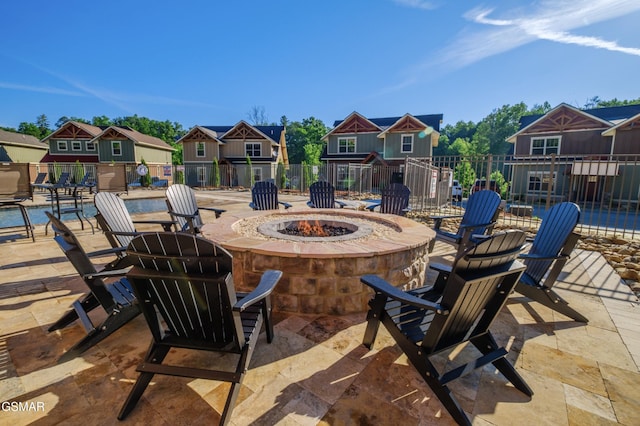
[492, 132]
[299, 134]
[249, 174]
[465, 175]
[216, 172]
[501, 183]
[449, 134]
[64, 119]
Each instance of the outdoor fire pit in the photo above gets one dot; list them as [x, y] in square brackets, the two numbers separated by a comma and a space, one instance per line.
[323, 253]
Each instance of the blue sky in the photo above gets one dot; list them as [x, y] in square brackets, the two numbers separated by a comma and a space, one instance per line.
[211, 62]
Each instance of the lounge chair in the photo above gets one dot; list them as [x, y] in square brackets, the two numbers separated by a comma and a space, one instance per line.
[264, 196]
[106, 290]
[115, 221]
[185, 281]
[548, 254]
[184, 209]
[322, 196]
[432, 319]
[480, 215]
[395, 200]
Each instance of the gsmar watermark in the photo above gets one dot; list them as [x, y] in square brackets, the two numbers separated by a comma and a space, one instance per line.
[15, 406]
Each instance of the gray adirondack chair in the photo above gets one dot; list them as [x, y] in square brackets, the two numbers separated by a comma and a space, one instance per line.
[184, 209]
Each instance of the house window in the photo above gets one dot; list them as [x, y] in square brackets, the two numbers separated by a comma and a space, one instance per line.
[76, 146]
[540, 181]
[407, 143]
[252, 149]
[257, 174]
[346, 145]
[200, 149]
[62, 145]
[90, 146]
[545, 146]
[116, 148]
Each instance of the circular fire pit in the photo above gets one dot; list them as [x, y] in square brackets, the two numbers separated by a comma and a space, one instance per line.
[322, 253]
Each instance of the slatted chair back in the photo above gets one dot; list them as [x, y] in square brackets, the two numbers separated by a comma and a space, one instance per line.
[322, 195]
[481, 279]
[63, 179]
[482, 207]
[188, 279]
[15, 182]
[264, 196]
[395, 199]
[114, 219]
[556, 227]
[40, 178]
[181, 199]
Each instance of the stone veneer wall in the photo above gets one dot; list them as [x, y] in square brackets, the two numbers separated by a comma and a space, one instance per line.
[329, 285]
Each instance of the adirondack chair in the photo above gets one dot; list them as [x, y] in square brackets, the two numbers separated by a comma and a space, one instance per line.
[116, 223]
[395, 200]
[480, 215]
[15, 187]
[264, 196]
[322, 196]
[548, 254]
[186, 281]
[115, 296]
[183, 208]
[429, 320]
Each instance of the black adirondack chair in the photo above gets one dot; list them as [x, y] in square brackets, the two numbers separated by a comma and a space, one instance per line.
[322, 196]
[108, 291]
[116, 223]
[458, 308]
[548, 254]
[479, 218]
[186, 281]
[183, 208]
[264, 196]
[394, 200]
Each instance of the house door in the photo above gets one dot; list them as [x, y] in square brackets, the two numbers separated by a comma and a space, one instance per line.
[592, 188]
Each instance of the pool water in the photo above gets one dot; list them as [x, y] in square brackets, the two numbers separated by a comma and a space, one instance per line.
[11, 217]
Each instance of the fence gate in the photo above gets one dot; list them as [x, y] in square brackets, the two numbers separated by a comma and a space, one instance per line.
[428, 190]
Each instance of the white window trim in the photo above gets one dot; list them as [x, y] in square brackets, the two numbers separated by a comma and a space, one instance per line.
[402, 150]
[75, 144]
[113, 148]
[90, 146]
[204, 150]
[545, 147]
[62, 146]
[541, 175]
[246, 144]
[347, 139]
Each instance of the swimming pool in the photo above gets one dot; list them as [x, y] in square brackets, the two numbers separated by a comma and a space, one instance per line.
[10, 217]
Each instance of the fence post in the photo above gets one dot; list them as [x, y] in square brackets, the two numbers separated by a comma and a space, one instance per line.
[550, 185]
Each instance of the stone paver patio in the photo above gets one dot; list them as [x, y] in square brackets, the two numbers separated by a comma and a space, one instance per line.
[316, 371]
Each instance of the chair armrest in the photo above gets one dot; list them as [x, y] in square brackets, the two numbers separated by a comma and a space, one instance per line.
[476, 225]
[527, 256]
[105, 252]
[266, 285]
[442, 217]
[105, 274]
[373, 204]
[286, 205]
[440, 267]
[381, 286]
[166, 224]
[341, 203]
[253, 206]
[218, 212]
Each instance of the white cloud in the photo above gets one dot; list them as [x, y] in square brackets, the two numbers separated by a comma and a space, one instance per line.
[39, 89]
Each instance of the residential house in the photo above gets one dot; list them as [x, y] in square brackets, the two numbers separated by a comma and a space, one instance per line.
[387, 141]
[72, 141]
[20, 148]
[231, 145]
[579, 155]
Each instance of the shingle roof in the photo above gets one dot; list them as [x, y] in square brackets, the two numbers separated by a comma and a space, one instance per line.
[608, 113]
[13, 138]
[432, 120]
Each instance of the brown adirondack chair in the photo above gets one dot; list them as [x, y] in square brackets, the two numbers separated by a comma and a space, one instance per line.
[264, 196]
[106, 290]
[116, 223]
[431, 319]
[548, 254]
[186, 281]
[394, 200]
[183, 208]
[479, 218]
[322, 196]
[15, 187]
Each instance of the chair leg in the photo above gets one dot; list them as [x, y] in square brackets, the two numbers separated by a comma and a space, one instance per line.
[231, 401]
[88, 302]
[485, 343]
[155, 355]
[550, 299]
[114, 321]
[373, 323]
[268, 324]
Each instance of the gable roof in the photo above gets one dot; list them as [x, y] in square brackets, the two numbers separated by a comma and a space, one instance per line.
[628, 124]
[20, 139]
[564, 117]
[75, 130]
[243, 130]
[137, 137]
[200, 133]
[383, 124]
